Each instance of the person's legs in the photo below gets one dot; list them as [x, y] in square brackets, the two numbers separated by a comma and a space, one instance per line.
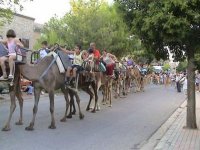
[68, 75]
[3, 66]
[74, 72]
[11, 64]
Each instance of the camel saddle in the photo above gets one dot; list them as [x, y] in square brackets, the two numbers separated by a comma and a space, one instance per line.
[62, 60]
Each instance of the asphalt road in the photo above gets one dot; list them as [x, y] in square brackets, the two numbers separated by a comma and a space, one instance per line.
[125, 126]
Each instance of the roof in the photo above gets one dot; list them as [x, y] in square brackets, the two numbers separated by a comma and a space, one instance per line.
[23, 16]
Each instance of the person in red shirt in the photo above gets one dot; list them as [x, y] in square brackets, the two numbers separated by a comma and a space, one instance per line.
[96, 52]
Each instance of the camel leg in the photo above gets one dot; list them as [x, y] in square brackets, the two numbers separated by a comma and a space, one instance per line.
[20, 99]
[87, 90]
[12, 109]
[81, 116]
[124, 87]
[65, 91]
[110, 93]
[74, 107]
[35, 109]
[96, 96]
[51, 98]
[71, 105]
[117, 88]
[104, 94]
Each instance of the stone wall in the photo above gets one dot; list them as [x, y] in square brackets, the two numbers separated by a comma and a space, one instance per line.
[24, 28]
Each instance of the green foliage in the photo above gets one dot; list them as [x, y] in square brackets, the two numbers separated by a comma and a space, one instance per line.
[92, 21]
[166, 67]
[182, 66]
[7, 7]
[197, 61]
[172, 23]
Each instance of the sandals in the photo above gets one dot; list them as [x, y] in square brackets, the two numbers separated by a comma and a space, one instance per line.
[3, 78]
[10, 76]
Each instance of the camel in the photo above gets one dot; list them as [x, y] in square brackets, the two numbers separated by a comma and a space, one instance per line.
[51, 81]
[107, 90]
[121, 81]
[85, 86]
[137, 78]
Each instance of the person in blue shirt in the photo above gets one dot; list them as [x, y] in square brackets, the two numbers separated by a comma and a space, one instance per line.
[29, 89]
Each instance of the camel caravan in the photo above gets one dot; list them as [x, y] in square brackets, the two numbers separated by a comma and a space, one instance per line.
[55, 70]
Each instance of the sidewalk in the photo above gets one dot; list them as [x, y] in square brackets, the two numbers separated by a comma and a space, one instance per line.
[172, 136]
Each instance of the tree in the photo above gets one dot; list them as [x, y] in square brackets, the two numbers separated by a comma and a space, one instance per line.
[7, 7]
[166, 67]
[92, 21]
[171, 23]
[182, 66]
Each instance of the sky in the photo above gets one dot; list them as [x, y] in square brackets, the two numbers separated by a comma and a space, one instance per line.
[43, 10]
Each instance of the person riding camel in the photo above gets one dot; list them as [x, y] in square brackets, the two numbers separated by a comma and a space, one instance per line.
[108, 59]
[96, 53]
[13, 45]
[77, 63]
[130, 63]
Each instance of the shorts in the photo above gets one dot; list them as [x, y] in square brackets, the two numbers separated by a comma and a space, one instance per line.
[12, 54]
[79, 68]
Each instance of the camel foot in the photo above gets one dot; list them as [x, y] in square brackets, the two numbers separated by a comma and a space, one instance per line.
[69, 116]
[98, 109]
[63, 119]
[116, 96]
[103, 103]
[29, 128]
[74, 113]
[6, 128]
[19, 123]
[124, 93]
[88, 108]
[52, 126]
[81, 116]
[93, 111]
[110, 105]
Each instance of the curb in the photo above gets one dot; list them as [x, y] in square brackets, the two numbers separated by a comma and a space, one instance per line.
[151, 143]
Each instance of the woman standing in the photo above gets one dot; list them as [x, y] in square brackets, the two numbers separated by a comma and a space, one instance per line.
[13, 44]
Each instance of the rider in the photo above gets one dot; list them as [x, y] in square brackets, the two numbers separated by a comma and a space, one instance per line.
[13, 44]
[96, 53]
[130, 63]
[44, 49]
[108, 59]
[77, 64]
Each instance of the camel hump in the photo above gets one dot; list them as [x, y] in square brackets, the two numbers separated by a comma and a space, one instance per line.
[65, 59]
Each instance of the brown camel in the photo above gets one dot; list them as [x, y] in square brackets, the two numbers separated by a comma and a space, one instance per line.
[137, 78]
[85, 86]
[119, 83]
[50, 81]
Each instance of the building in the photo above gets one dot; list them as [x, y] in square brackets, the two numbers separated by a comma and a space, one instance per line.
[26, 29]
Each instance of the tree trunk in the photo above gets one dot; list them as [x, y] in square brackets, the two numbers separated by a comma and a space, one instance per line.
[191, 103]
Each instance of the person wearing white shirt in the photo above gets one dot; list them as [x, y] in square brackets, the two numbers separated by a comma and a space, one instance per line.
[44, 50]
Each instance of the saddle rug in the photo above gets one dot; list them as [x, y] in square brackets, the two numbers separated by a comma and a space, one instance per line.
[62, 61]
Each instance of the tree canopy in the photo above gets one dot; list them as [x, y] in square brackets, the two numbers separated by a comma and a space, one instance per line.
[172, 23]
[92, 21]
[7, 7]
